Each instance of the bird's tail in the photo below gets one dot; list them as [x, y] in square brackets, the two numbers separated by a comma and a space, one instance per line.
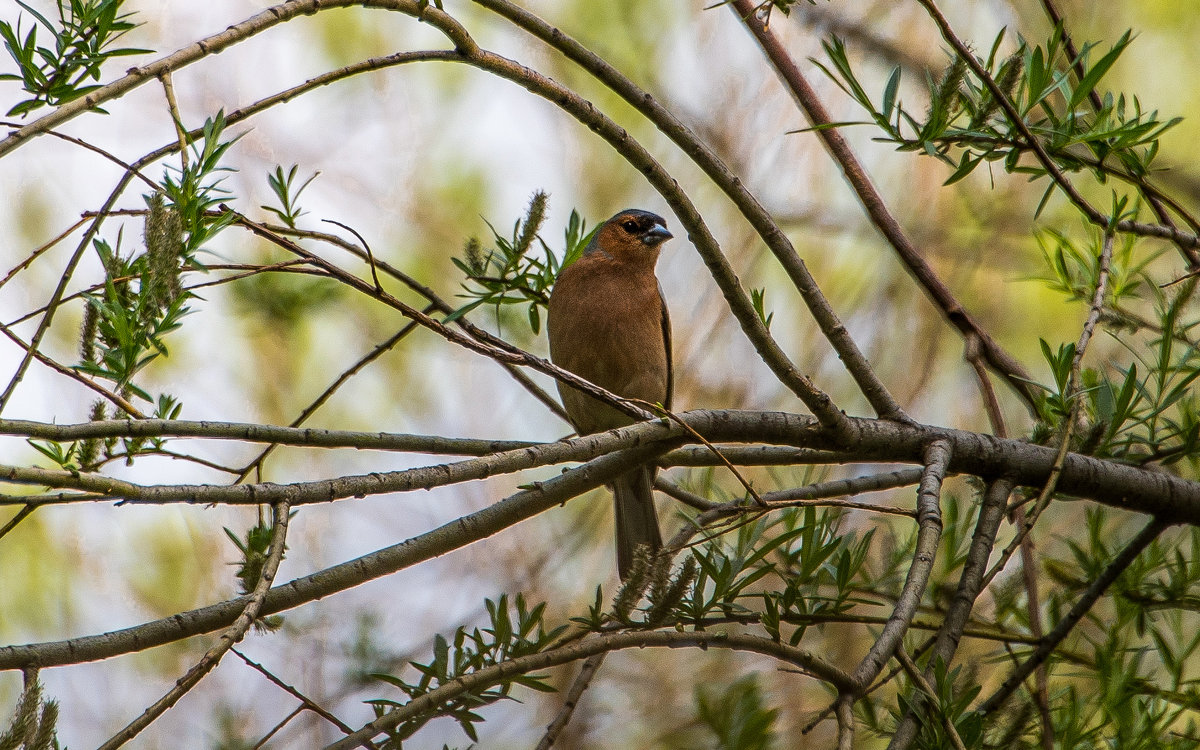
[637, 522]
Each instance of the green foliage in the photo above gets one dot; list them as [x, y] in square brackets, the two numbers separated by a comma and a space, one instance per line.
[83, 39]
[1129, 663]
[512, 275]
[510, 634]
[287, 192]
[953, 693]
[737, 715]
[195, 191]
[758, 300]
[125, 326]
[254, 549]
[130, 324]
[965, 126]
[34, 722]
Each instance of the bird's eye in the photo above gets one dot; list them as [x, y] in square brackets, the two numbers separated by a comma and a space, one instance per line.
[629, 226]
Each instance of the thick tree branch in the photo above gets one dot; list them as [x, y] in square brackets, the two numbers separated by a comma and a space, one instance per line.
[929, 519]
[874, 440]
[970, 583]
[446, 538]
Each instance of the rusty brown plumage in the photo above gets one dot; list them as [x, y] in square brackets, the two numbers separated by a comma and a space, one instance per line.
[608, 323]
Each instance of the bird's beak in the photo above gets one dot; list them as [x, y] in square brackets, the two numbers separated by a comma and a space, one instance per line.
[656, 235]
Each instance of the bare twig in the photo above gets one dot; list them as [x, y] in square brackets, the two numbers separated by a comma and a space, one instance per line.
[306, 703]
[571, 700]
[333, 387]
[17, 518]
[235, 632]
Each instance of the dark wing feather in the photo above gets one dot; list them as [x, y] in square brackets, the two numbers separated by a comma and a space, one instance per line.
[666, 331]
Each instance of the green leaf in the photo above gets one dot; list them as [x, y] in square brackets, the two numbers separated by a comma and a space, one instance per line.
[889, 93]
[1092, 78]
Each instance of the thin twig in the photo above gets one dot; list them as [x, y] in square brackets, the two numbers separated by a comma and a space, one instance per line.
[704, 441]
[571, 700]
[914, 674]
[1093, 593]
[39, 251]
[1075, 397]
[17, 518]
[328, 393]
[233, 634]
[305, 702]
[176, 119]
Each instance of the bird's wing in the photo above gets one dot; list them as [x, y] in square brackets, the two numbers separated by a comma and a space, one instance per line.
[666, 332]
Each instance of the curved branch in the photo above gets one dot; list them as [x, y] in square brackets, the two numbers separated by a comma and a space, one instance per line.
[929, 520]
[210, 45]
[803, 660]
[970, 583]
[852, 357]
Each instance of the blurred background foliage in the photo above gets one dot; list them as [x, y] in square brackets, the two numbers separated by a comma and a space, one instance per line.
[416, 158]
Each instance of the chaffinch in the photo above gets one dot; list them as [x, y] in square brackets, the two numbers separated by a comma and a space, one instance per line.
[608, 324]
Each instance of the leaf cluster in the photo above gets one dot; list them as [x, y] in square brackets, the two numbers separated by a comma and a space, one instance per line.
[511, 274]
[513, 630]
[287, 192]
[83, 39]
[254, 549]
[34, 722]
[966, 126]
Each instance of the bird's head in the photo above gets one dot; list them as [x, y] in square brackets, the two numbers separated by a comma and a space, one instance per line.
[631, 235]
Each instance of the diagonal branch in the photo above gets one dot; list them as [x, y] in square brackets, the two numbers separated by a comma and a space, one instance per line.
[1184, 240]
[1093, 593]
[833, 141]
[855, 361]
[253, 604]
[586, 673]
[970, 583]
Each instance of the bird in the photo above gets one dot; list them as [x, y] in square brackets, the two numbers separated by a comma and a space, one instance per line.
[608, 323]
